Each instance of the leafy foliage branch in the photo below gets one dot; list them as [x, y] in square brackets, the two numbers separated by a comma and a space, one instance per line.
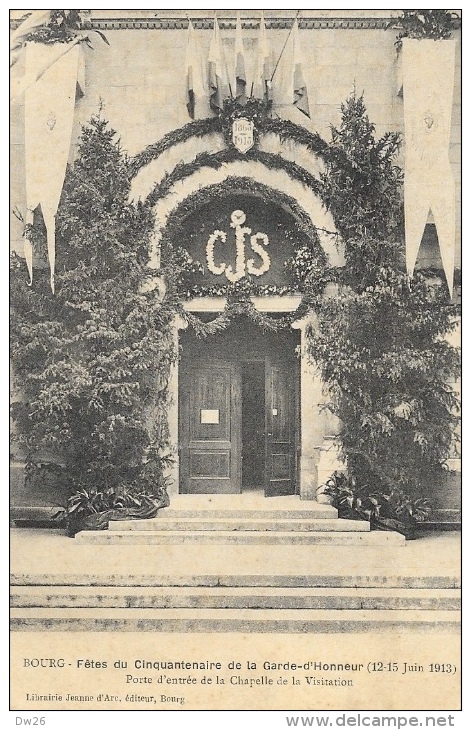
[433, 24]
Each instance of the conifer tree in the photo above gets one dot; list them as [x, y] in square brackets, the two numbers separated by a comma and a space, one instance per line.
[91, 362]
[381, 340]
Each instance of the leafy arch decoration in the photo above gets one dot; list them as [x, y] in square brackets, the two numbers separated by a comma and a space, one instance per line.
[255, 111]
[237, 184]
[308, 264]
[218, 159]
[264, 124]
[269, 171]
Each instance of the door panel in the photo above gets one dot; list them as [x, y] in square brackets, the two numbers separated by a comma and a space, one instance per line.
[280, 432]
[253, 424]
[210, 428]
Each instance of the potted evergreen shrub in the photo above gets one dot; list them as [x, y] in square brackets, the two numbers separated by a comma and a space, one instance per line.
[386, 509]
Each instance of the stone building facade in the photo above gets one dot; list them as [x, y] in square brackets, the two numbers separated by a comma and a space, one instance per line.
[139, 82]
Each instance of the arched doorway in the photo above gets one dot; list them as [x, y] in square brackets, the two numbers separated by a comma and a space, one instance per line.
[223, 232]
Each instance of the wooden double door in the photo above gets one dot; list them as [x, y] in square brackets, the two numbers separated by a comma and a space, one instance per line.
[239, 413]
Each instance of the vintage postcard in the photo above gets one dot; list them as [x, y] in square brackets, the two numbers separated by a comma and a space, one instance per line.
[235, 292]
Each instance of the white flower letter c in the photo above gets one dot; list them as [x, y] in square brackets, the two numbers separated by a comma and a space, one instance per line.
[217, 270]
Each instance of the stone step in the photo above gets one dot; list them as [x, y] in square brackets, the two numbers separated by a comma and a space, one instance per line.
[226, 537]
[211, 523]
[234, 620]
[241, 598]
[293, 512]
[228, 580]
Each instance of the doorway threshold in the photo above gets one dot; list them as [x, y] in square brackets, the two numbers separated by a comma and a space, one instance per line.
[253, 501]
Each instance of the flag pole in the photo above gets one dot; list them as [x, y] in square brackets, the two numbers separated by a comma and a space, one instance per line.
[285, 44]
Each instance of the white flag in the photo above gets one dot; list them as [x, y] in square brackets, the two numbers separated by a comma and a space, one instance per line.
[428, 80]
[194, 73]
[49, 116]
[217, 71]
[262, 83]
[300, 98]
[240, 79]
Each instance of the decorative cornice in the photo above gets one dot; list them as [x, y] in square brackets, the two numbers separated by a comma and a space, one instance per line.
[350, 23]
[247, 23]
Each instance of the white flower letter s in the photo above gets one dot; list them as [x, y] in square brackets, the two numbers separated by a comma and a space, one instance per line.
[257, 248]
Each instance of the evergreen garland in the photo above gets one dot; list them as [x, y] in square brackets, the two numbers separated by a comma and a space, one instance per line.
[237, 306]
[432, 24]
[255, 111]
[198, 128]
[217, 159]
[289, 131]
[62, 27]
[237, 184]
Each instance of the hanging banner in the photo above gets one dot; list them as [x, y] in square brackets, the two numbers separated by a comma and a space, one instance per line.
[428, 80]
[18, 38]
[49, 116]
[34, 73]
